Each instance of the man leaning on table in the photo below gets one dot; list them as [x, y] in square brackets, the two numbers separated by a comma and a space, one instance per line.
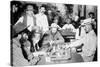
[53, 36]
[89, 42]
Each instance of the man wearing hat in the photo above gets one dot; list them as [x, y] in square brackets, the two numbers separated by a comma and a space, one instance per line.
[26, 21]
[53, 36]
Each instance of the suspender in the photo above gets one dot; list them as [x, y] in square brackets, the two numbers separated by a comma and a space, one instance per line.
[79, 31]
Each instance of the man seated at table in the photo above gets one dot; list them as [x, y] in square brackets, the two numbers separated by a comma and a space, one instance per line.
[26, 45]
[53, 37]
[89, 42]
[68, 26]
[18, 58]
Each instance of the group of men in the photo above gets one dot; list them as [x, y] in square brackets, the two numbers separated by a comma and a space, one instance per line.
[38, 28]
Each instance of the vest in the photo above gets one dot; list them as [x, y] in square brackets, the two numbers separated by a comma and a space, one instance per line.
[25, 20]
[21, 26]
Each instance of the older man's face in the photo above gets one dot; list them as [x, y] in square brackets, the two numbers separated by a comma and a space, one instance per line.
[88, 28]
[54, 30]
[29, 9]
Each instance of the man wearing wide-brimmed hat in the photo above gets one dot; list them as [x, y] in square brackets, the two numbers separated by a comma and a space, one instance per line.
[26, 21]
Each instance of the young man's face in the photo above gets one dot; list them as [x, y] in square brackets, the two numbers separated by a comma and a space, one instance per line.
[91, 16]
[42, 9]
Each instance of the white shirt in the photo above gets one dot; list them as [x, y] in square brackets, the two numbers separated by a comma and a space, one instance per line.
[90, 44]
[68, 26]
[42, 22]
[30, 21]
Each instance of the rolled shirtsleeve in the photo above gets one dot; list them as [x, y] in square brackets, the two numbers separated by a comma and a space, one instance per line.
[20, 20]
[90, 44]
[46, 25]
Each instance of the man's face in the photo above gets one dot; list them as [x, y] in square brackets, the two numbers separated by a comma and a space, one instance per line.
[29, 9]
[68, 21]
[56, 21]
[82, 21]
[88, 28]
[90, 15]
[29, 12]
[42, 9]
[49, 11]
[54, 30]
[25, 36]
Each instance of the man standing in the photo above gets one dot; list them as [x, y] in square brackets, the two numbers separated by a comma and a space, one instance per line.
[89, 42]
[41, 20]
[69, 26]
[26, 21]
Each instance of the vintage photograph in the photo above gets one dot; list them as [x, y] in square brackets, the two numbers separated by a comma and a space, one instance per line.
[44, 33]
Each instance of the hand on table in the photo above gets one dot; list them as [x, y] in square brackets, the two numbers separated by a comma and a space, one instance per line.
[34, 60]
[30, 56]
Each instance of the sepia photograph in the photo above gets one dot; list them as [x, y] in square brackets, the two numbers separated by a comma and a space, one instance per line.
[44, 33]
